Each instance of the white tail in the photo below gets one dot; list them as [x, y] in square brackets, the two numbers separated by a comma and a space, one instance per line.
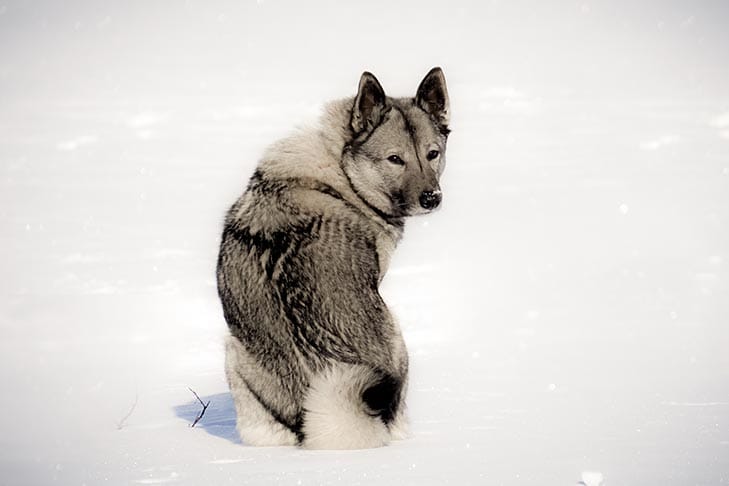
[335, 415]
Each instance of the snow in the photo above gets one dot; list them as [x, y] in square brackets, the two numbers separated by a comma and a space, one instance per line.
[592, 478]
[566, 311]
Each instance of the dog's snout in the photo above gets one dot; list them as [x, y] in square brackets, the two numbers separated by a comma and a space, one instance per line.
[430, 199]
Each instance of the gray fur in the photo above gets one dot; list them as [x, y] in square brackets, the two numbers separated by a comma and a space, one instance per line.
[302, 254]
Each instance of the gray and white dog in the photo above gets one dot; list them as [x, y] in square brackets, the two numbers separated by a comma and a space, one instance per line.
[314, 357]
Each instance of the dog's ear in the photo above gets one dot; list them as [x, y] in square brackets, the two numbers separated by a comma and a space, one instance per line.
[369, 104]
[432, 96]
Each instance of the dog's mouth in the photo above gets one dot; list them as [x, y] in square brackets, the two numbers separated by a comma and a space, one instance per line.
[417, 210]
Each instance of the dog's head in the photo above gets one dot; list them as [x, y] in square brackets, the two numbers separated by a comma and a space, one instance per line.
[396, 151]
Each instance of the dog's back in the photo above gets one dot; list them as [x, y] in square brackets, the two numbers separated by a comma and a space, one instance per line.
[304, 298]
[314, 357]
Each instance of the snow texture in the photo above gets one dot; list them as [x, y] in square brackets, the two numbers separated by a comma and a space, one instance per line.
[566, 311]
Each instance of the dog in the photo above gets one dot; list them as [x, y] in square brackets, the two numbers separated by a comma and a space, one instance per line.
[314, 357]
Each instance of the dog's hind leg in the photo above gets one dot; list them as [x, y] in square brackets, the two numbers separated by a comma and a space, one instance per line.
[256, 423]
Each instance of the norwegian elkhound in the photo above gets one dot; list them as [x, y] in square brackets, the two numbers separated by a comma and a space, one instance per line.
[314, 357]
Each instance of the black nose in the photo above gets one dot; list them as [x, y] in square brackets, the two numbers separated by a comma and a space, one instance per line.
[430, 199]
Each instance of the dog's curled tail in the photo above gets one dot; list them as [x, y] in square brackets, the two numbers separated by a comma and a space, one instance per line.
[350, 407]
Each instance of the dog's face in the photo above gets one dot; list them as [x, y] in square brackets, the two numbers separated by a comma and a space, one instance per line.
[397, 151]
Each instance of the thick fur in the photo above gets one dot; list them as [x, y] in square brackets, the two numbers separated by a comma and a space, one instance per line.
[334, 410]
[314, 357]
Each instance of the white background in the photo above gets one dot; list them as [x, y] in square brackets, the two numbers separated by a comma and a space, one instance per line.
[566, 311]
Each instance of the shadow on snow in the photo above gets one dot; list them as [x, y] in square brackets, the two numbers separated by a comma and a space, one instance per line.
[219, 418]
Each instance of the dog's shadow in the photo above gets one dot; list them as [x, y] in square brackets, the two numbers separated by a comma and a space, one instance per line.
[219, 417]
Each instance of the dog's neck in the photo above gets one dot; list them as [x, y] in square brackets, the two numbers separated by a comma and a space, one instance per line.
[316, 152]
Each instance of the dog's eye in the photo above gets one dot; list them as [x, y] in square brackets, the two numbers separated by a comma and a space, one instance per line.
[396, 160]
[432, 154]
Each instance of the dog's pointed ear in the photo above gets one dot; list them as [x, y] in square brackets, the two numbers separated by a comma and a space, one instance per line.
[369, 104]
[432, 96]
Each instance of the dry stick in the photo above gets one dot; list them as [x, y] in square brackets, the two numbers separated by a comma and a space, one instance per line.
[204, 407]
[122, 422]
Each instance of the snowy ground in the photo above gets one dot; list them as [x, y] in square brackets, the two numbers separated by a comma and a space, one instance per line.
[566, 312]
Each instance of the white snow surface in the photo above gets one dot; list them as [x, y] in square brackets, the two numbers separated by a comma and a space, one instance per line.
[566, 312]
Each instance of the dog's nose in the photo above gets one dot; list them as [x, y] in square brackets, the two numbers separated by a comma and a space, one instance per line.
[430, 199]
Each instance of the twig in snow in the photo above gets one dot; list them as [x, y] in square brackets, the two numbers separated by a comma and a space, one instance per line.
[204, 407]
[123, 421]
